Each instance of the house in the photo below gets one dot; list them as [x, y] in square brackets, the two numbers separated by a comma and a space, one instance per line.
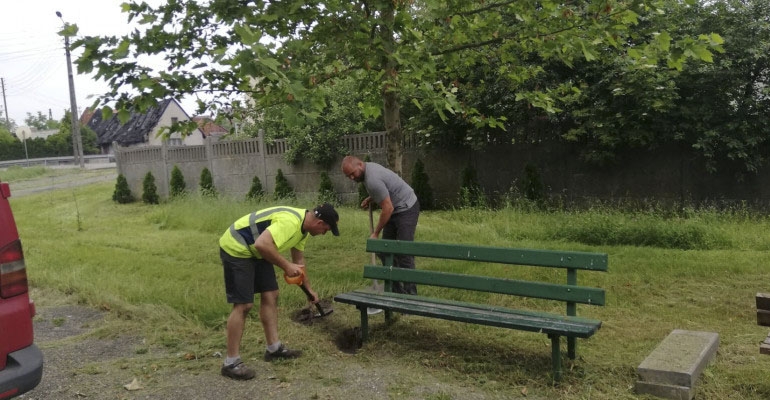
[141, 129]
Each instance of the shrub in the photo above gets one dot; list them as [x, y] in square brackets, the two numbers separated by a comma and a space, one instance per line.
[421, 186]
[532, 185]
[122, 193]
[471, 194]
[326, 193]
[177, 184]
[255, 192]
[150, 191]
[282, 188]
[207, 183]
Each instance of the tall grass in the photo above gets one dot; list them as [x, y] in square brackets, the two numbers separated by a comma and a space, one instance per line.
[17, 173]
[156, 269]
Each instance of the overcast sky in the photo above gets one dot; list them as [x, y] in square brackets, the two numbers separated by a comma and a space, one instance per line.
[33, 65]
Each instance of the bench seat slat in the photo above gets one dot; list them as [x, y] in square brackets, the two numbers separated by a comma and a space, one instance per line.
[539, 258]
[540, 290]
[474, 313]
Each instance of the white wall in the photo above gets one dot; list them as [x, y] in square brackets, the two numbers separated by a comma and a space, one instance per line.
[174, 110]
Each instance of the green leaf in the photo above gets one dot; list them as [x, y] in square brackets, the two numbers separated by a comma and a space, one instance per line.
[123, 115]
[122, 50]
[589, 56]
[664, 40]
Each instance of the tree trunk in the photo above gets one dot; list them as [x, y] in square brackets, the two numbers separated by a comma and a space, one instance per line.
[393, 131]
[391, 109]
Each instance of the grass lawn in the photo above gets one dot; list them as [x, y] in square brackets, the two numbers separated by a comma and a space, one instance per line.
[157, 270]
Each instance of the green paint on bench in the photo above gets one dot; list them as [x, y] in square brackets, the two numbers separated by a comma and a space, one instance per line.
[553, 325]
[540, 290]
[539, 258]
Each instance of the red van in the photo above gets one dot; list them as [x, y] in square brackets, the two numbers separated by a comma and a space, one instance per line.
[21, 362]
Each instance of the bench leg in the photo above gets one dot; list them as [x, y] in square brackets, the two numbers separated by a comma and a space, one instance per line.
[571, 347]
[388, 317]
[556, 356]
[364, 324]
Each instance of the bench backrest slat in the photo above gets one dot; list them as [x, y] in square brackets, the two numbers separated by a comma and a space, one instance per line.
[542, 290]
[541, 258]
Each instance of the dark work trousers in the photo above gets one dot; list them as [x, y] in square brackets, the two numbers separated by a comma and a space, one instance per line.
[401, 227]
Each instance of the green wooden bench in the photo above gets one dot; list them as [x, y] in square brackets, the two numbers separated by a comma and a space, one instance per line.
[555, 326]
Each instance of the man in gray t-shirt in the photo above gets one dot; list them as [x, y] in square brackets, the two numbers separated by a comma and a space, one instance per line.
[398, 204]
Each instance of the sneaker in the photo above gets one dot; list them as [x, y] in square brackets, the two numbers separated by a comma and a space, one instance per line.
[239, 371]
[282, 352]
[373, 311]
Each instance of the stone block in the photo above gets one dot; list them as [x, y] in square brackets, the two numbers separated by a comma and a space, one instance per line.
[764, 347]
[763, 318]
[673, 368]
[763, 301]
[665, 391]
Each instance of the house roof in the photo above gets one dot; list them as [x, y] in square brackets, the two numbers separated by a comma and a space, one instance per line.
[133, 131]
[208, 126]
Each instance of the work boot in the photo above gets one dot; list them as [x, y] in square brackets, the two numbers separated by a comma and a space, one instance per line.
[282, 352]
[238, 370]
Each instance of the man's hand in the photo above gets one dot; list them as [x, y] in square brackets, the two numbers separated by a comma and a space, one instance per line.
[315, 298]
[292, 270]
[365, 203]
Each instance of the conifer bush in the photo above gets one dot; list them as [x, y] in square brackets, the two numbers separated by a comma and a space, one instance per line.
[150, 191]
[122, 193]
[256, 192]
[207, 184]
[421, 186]
[177, 183]
[326, 193]
[282, 188]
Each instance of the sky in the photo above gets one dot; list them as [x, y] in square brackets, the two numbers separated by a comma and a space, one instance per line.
[33, 65]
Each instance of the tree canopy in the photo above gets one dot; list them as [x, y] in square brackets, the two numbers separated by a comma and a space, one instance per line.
[415, 52]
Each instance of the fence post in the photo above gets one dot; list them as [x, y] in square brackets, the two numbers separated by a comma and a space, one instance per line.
[116, 153]
[208, 146]
[263, 155]
[164, 160]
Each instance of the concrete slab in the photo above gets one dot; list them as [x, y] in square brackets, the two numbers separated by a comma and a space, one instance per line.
[673, 368]
[665, 391]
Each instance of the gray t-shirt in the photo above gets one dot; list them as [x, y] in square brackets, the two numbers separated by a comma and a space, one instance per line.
[382, 183]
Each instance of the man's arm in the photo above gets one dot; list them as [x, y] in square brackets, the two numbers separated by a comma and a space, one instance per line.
[269, 251]
[386, 210]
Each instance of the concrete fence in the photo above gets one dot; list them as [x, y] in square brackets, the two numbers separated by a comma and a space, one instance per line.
[235, 163]
[667, 174]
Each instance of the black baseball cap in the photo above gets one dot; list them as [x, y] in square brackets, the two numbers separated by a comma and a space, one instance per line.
[328, 214]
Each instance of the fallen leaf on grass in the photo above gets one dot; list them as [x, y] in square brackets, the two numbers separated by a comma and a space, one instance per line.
[524, 391]
[134, 385]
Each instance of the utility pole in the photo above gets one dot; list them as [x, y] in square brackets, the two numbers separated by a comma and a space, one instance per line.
[5, 105]
[77, 143]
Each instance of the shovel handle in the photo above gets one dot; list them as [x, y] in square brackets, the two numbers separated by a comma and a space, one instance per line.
[310, 298]
[371, 229]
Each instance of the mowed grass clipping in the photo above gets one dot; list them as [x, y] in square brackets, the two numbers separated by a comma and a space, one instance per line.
[156, 269]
